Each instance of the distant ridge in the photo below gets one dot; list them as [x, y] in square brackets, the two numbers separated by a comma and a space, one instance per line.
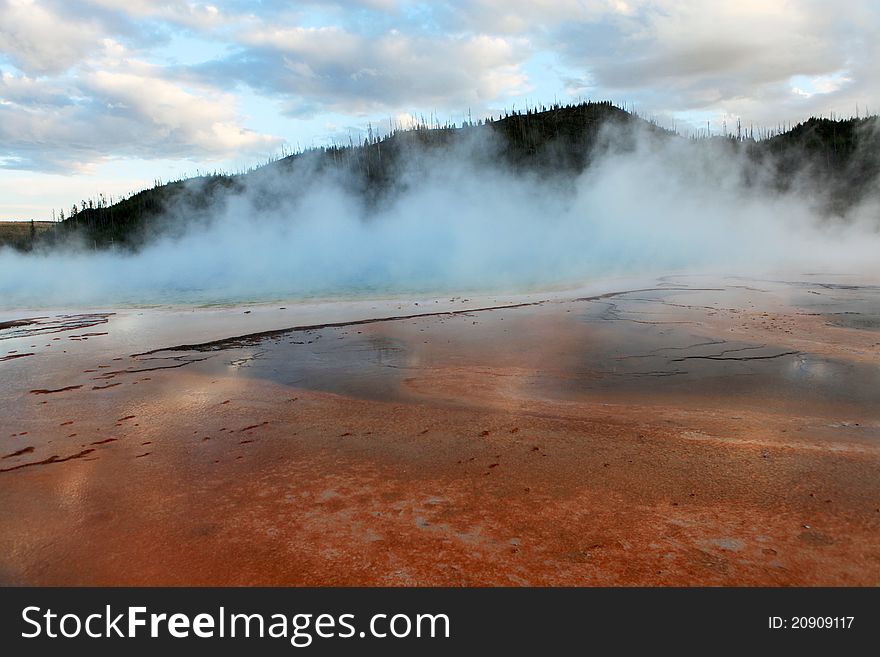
[840, 156]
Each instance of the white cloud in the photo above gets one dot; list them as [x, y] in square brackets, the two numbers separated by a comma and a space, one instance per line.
[736, 58]
[205, 120]
[197, 15]
[40, 41]
[332, 68]
[130, 112]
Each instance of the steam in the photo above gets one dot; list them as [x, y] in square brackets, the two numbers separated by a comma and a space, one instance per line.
[455, 221]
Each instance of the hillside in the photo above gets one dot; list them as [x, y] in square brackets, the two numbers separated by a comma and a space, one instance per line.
[840, 159]
[843, 156]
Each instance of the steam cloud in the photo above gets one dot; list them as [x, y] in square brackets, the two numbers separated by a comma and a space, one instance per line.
[457, 222]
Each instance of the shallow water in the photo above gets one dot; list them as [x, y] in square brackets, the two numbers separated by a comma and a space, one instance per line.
[653, 345]
[649, 346]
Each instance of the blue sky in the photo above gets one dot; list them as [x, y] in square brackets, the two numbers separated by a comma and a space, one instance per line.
[105, 96]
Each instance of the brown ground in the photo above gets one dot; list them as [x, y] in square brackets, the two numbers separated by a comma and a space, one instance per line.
[18, 233]
[661, 437]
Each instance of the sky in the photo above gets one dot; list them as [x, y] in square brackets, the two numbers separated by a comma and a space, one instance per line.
[108, 96]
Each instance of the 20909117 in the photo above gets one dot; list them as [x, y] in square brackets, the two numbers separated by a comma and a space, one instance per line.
[810, 622]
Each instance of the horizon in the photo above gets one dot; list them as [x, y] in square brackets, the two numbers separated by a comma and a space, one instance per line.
[104, 97]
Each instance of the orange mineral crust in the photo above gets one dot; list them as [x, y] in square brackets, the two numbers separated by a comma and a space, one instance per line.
[683, 432]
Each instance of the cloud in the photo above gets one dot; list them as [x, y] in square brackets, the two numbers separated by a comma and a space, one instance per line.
[204, 120]
[202, 16]
[330, 68]
[38, 40]
[132, 111]
[725, 57]
[731, 48]
[524, 17]
[679, 57]
[92, 79]
[84, 83]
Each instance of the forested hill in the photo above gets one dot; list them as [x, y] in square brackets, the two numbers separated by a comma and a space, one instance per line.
[840, 157]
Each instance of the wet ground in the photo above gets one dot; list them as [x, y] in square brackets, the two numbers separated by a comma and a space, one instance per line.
[680, 431]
